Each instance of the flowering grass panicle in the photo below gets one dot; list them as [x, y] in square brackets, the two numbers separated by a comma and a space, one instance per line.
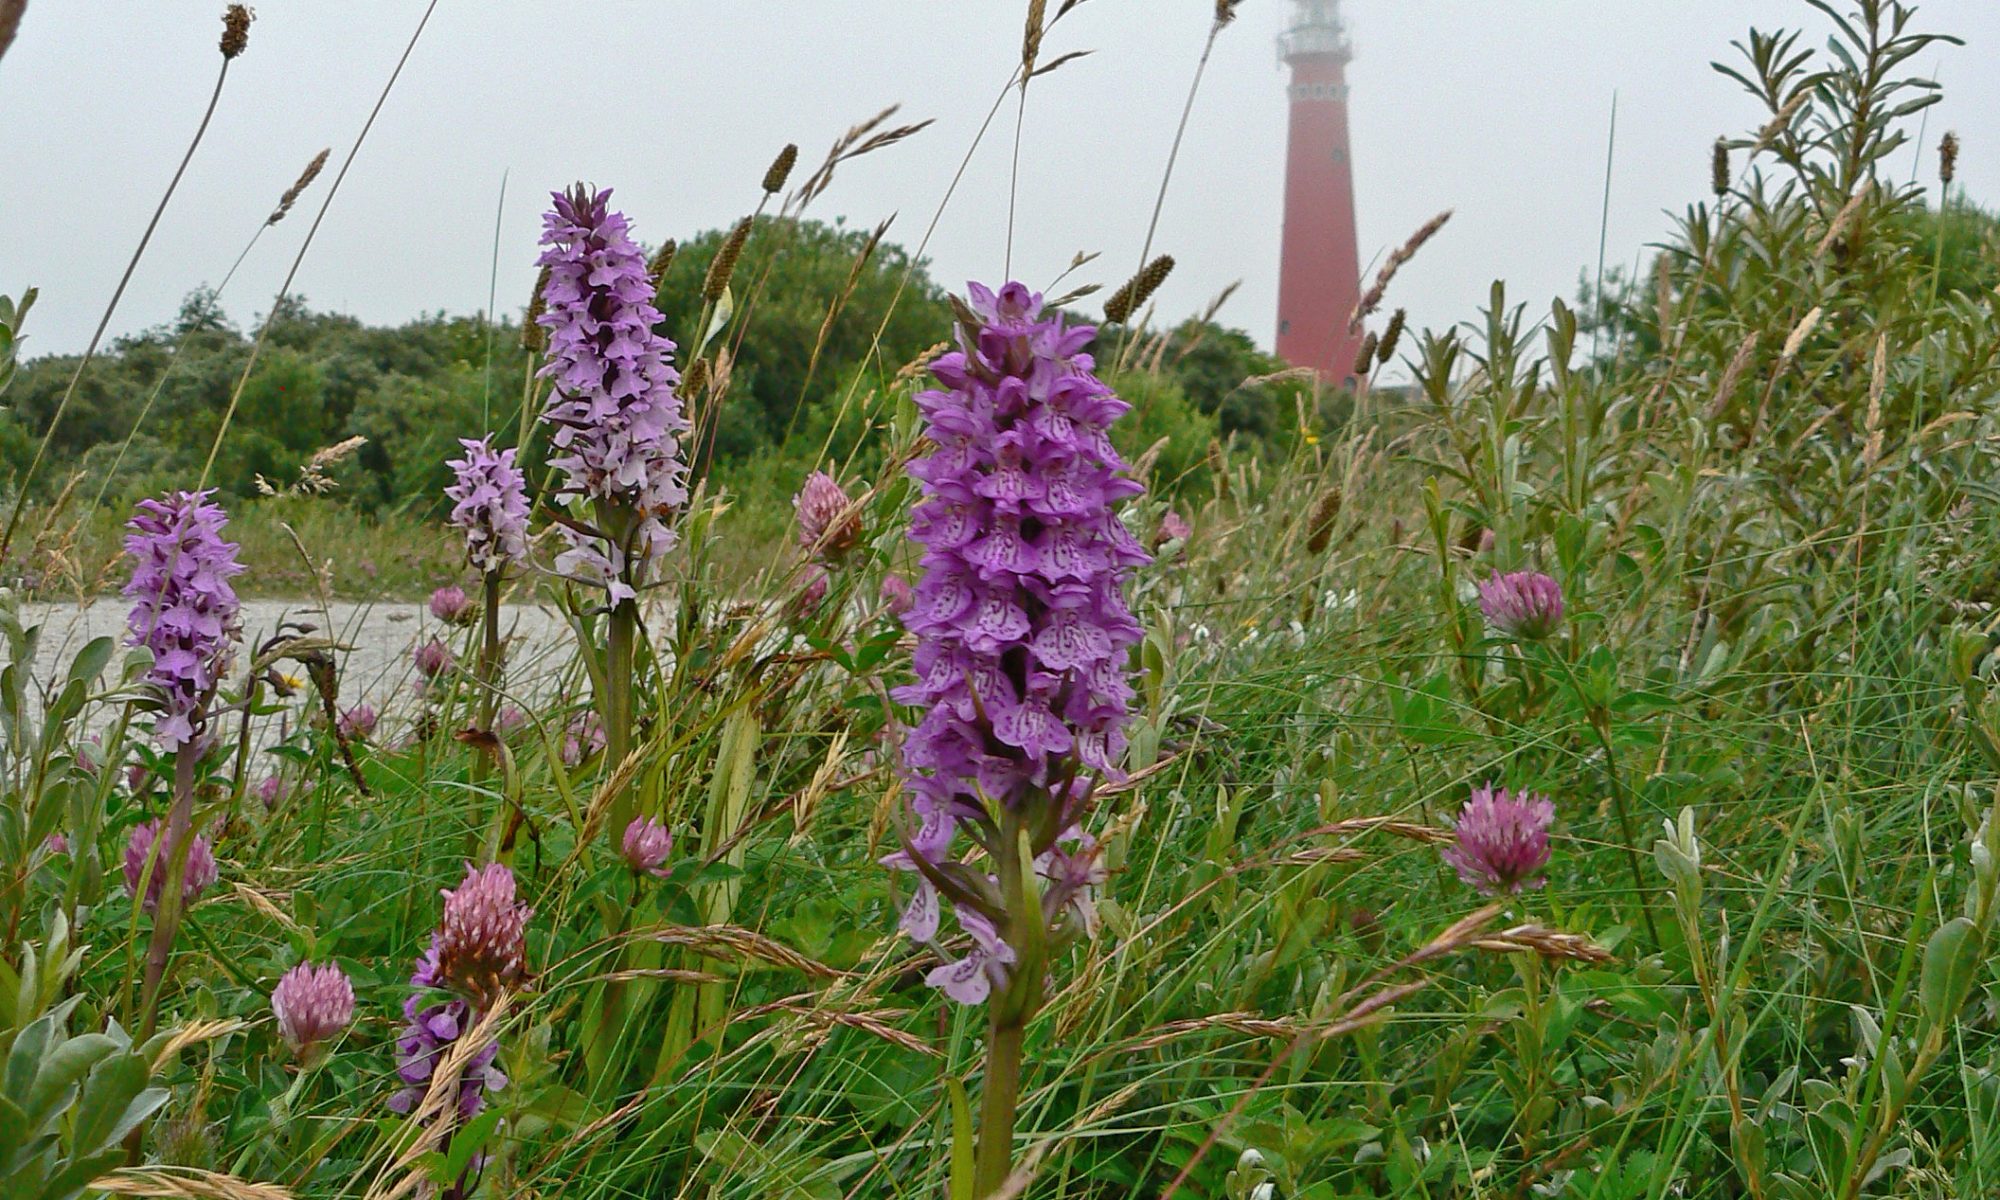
[1020, 620]
[826, 526]
[1502, 841]
[646, 845]
[451, 605]
[312, 1004]
[616, 418]
[490, 503]
[196, 877]
[183, 608]
[1522, 604]
[480, 947]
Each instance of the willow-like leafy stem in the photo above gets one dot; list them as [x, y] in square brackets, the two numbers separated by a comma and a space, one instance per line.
[1600, 724]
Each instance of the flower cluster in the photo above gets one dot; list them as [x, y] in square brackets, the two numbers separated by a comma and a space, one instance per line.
[196, 877]
[271, 791]
[451, 605]
[358, 723]
[616, 417]
[490, 503]
[646, 845]
[1503, 841]
[312, 1004]
[478, 950]
[813, 582]
[1522, 604]
[183, 608]
[1020, 619]
[426, 1039]
[432, 658]
[826, 527]
[898, 597]
[479, 945]
[582, 738]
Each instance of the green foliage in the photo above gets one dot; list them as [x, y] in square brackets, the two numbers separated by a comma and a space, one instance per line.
[67, 1102]
[1162, 411]
[791, 358]
[12, 313]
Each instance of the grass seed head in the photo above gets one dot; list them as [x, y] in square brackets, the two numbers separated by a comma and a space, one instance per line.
[724, 266]
[1137, 290]
[235, 29]
[780, 169]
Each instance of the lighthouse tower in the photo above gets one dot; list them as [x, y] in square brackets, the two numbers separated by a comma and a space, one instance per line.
[1319, 279]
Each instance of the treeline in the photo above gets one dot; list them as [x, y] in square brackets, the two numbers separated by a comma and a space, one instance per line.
[819, 318]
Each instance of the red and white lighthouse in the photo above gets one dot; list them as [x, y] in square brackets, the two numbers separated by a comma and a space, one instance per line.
[1319, 279]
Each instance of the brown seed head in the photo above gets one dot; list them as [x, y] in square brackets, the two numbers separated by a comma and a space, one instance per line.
[1225, 12]
[1730, 377]
[724, 265]
[1031, 38]
[1320, 532]
[235, 29]
[1947, 157]
[10, 20]
[1365, 357]
[533, 337]
[1718, 168]
[1390, 336]
[695, 379]
[780, 169]
[298, 187]
[1131, 297]
[1397, 258]
[663, 258]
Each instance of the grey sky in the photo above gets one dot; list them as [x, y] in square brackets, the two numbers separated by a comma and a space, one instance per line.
[1495, 108]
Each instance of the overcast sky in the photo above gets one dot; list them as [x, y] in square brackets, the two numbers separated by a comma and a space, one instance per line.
[1495, 108]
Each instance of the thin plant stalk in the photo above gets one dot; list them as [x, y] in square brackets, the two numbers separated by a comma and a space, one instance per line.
[76, 376]
[997, 1104]
[1009, 1010]
[177, 838]
[277, 306]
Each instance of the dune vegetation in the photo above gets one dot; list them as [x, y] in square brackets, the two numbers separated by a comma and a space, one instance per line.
[1012, 753]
